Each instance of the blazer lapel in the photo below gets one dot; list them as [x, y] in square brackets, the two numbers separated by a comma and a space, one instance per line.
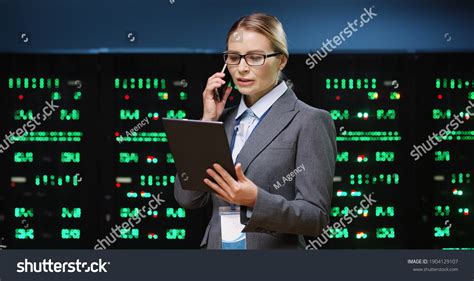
[279, 115]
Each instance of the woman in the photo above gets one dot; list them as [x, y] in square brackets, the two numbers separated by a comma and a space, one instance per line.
[285, 150]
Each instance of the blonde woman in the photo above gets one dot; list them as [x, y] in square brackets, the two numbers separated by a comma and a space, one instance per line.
[284, 149]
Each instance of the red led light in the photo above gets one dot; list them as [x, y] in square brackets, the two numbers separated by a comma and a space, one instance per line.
[127, 97]
[117, 185]
[117, 134]
[440, 96]
[20, 97]
[338, 97]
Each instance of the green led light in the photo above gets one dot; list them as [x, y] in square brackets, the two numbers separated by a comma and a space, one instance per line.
[342, 156]
[370, 136]
[126, 233]
[52, 180]
[23, 234]
[341, 193]
[356, 194]
[337, 114]
[67, 233]
[163, 95]
[23, 157]
[442, 156]
[178, 213]
[24, 213]
[55, 96]
[361, 235]
[335, 233]
[384, 156]
[71, 213]
[132, 194]
[154, 115]
[144, 137]
[373, 95]
[66, 114]
[442, 232]
[117, 83]
[169, 158]
[395, 95]
[385, 232]
[172, 234]
[151, 180]
[388, 114]
[179, 114]
[70, 157]
[128, 157]
[52, 136]
[328, 84]
[441, 114]
[183, 96]
[128, 212]
[441, 211]
[376, 179]
[77, 95]
[126, 114]
[461, 178]
[388, 211]
[339, 212]
[23, 114]
[457, 192]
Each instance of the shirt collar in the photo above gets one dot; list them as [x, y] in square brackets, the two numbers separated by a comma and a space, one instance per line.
[264, 103]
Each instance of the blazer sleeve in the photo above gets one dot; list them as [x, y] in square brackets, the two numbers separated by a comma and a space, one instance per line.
[309, 212]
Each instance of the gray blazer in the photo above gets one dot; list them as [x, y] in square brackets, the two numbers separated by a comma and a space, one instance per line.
[289, 203]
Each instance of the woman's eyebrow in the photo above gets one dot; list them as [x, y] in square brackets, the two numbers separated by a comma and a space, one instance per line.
[248, 52]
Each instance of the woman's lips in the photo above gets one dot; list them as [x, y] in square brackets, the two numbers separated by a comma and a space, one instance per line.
[244, 82]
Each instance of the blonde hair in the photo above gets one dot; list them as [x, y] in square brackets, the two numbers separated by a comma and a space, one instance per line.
[265, 24]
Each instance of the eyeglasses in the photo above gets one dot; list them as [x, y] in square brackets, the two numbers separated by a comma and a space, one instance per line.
[253, 59]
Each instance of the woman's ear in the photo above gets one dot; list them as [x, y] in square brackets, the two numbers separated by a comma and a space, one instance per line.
[283, 61]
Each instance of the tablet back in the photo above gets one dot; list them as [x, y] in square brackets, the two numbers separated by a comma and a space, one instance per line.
[196, 145]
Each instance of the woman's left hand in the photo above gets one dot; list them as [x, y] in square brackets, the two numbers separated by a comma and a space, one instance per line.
[241, 192]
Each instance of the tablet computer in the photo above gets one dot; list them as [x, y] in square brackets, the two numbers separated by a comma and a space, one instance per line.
[196, 145]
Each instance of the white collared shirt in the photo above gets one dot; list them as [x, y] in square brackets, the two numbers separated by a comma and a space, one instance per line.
[255, 112]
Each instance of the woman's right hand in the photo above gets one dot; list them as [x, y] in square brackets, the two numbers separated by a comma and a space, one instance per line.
[213, 108]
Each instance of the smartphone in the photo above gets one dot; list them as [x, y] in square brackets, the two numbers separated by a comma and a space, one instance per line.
[220, 92]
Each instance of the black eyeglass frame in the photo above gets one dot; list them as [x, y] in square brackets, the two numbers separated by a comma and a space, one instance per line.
[265, 56]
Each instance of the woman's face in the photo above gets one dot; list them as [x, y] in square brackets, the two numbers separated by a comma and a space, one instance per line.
[254, 81]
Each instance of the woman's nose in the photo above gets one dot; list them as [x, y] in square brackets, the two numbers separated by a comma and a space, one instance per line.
[243, 66]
